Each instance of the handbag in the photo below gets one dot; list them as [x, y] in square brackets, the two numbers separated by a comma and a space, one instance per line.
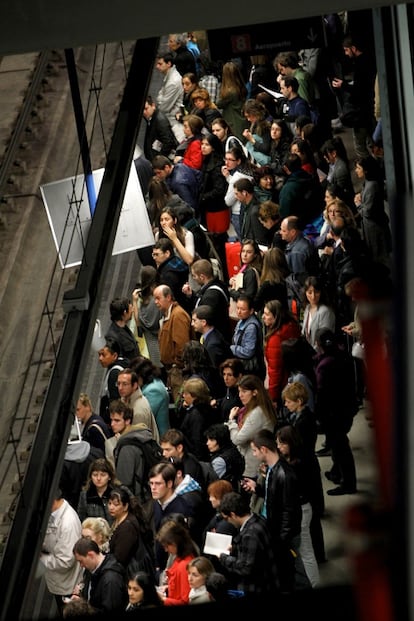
[98, 339]
[358, 350]
[138, 332]
[142, 344]
[233, 303]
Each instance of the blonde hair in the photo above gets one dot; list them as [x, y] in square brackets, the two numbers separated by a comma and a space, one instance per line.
[295, 391]
[197, 389]
[100, 528]
[85, 400]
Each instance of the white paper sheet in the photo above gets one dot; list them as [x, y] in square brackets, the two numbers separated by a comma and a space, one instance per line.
[217, 543]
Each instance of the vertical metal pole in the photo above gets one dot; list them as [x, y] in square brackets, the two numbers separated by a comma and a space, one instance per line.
[81, 129]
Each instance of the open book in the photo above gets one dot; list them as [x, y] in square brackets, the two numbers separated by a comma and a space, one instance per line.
[274, 94]
[217, 544]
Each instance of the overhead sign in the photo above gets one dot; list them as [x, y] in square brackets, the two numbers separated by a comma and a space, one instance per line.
[69, 214]
[269, 39]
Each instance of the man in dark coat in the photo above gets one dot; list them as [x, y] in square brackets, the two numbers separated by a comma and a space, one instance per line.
[104, 586]
[183, 59]
[159, 138]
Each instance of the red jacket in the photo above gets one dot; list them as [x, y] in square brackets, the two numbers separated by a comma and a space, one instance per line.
[193, 156]
[273, 354]
[178, 585]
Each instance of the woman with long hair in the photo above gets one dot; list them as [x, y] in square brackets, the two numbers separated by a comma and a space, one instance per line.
[279, 325]
[281, 138]
[232, 95]
[272, 284]
[257, 135]
[142, 591]
[303, 149]
[146, 316]
[257, 412]
[214, 212]
[188, 152]
[374, 221]
[132, 540]
[181, 237]
[176, 539]
[246, 280]
[159, 197]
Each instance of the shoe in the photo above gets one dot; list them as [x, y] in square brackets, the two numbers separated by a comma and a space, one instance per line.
[324, 452]
[332, 477]
[340, 491]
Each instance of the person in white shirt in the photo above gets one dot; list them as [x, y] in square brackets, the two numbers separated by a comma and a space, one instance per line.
[170, 96]
[62, 572]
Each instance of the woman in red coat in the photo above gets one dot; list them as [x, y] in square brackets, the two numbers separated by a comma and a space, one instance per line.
[189, 151]
[280, 325]
[176, 540]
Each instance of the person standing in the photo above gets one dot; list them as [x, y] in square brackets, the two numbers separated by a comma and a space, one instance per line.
[93, 499]
[251, 564]
[64, 528]
[94, 428]
[154, 389]
[357, 97]
[212, 292]
[257, 412]
[213, 341]
[336, 405]
[175, 332]
[176, 540]
[159, 138]
[110, 359]
[183, 59]
[132, 538]
[280, 325]
[120, 310]
[281, 508]
[146, 314]
[131, 394]
[232, 95]
[104, 586]
[170, 95]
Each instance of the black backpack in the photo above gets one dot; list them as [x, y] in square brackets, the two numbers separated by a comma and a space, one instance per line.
[152, 453]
